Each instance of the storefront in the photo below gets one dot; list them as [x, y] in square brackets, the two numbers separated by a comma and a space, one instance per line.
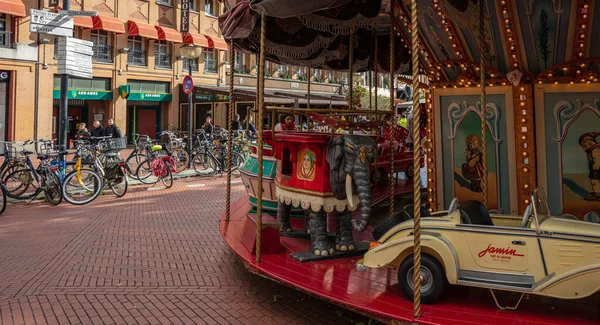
[147, 107]
[89, 100]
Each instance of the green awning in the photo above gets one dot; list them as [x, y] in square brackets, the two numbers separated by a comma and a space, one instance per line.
[151, 97]
[86, 94]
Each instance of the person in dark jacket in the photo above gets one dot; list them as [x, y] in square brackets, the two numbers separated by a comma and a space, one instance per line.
[251, 126]
[82, 132]
[208, 127]
[112, 130]
[235, 124]
[98, 130]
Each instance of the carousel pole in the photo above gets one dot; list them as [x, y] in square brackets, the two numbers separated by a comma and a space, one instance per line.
[416, 161]
[484, 178]
[230, 127]
[370, 90]
[259, 134]
[350, 67]
[393, 123]
[308, 97]
[376, 75]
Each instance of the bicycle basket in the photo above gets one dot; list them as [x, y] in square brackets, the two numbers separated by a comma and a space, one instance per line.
[113, 144]
[10, 151]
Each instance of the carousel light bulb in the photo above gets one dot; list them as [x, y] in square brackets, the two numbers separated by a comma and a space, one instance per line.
[523, 120]
[524, 154]
[526, 201]
[525, 169]
[571, 82]
[565, 68]
[522, 88]
[526, 186]
[556, 82]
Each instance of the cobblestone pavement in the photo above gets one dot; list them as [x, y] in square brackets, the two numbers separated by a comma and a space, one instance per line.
[154, 256]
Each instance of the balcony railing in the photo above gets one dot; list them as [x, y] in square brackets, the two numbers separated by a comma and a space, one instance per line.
[102, 53]
[210, 66]
[240, 68]
[162, 60]
[137, 58]
[6, 40]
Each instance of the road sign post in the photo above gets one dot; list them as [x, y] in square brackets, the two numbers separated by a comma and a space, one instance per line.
[50, 23]
[63, 111]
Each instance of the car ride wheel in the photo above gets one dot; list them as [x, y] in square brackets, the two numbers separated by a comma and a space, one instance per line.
[432, 274]
[410, 171]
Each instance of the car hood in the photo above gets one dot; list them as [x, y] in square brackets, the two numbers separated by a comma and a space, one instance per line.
[571, 227]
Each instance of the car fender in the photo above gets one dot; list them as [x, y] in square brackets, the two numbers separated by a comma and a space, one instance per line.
[577, 281]
[393, 252]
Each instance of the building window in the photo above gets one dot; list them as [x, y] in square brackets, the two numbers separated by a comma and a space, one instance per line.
[210, 61]
[137, 52]
[5, 33]
[194, 5]
[210, 8]
[162, 57]
[102, 51]
[164, 2]
[186, 65]
[240, 64]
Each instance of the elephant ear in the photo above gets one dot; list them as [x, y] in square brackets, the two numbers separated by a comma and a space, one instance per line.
[337, 175]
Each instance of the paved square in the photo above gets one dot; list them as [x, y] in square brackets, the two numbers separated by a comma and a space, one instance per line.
[151, 257]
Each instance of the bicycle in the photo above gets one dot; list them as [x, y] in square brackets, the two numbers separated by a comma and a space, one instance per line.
[12, 161]
[83, 180]
[176, 148]
[206, 163]
[112, 168]
[162, 166]
[43, 179]
[139, 153]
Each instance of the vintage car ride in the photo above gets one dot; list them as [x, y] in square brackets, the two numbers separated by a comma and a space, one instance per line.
[465, 245]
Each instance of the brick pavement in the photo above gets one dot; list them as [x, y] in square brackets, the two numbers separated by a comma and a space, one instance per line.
[151, 257]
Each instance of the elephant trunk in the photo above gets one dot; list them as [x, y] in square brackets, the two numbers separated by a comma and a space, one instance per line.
[363, 188]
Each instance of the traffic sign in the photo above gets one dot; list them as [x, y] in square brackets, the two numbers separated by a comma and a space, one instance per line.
[50, 23]
[187, 85]
[74, 13]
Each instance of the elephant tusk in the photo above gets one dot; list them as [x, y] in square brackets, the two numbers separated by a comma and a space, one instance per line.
[349, 194]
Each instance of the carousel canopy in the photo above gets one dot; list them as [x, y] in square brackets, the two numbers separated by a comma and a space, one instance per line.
[522, 40]
[316, 33]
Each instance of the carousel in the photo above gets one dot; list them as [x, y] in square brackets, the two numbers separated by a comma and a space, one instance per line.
[507, 130]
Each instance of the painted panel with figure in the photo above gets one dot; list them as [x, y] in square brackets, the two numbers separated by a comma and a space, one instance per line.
[462, 151]
[573, 154]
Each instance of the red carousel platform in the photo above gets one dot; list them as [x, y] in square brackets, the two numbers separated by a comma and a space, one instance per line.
[375, 292]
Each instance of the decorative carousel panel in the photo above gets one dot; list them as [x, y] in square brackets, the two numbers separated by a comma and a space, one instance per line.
[544, 31]
[572, 153]
[462, 152]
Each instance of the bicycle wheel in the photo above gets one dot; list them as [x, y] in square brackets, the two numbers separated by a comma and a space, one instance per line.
[237, 161]
[144, 173]
[167, 180]
[204, 164]
[19, 184]
[83, 189]
[3, 198]
[133, 162]
[52, 188]
[119, 184]
[181, 158]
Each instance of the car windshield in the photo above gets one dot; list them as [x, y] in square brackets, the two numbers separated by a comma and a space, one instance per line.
[540, 205]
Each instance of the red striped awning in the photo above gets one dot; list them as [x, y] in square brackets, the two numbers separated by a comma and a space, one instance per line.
[195, 39]
[141, 29]
[169, 34]
[217, 43]
[109, 24]
[13, 7]
[82, 21]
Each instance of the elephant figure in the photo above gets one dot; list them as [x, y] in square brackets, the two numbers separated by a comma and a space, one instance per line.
[349, 159]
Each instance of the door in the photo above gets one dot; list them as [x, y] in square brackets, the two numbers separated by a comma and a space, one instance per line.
[76, 115]
[148, 121]
[501, 254]
[202, 111]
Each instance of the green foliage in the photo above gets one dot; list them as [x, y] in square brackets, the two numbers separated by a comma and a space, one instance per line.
[358, 93]
[319, 79]
[268, 74]
[383, 103]
[284, 75]
[543, 39]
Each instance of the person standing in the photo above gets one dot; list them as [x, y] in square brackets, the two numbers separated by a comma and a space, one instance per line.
[97, 131]
[112, 130]
[82, 132]
[235, 124]
[208, 127]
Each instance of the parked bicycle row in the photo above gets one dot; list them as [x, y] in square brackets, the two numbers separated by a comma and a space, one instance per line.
[95, 165]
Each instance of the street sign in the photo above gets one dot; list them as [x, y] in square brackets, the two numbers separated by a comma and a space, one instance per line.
[75, 57]
[50, 23]
[74, 13]
[187, 85]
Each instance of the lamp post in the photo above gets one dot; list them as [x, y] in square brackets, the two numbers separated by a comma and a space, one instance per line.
[190, 52]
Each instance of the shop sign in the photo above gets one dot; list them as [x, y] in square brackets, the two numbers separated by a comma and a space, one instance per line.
[185, 16]
[124, 91]
[153, 97]
[4, 75]
[86, 94]
[208, 97]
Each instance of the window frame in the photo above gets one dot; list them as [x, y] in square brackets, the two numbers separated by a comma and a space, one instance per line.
[164, 2]
[215, 57]
[212, 5]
